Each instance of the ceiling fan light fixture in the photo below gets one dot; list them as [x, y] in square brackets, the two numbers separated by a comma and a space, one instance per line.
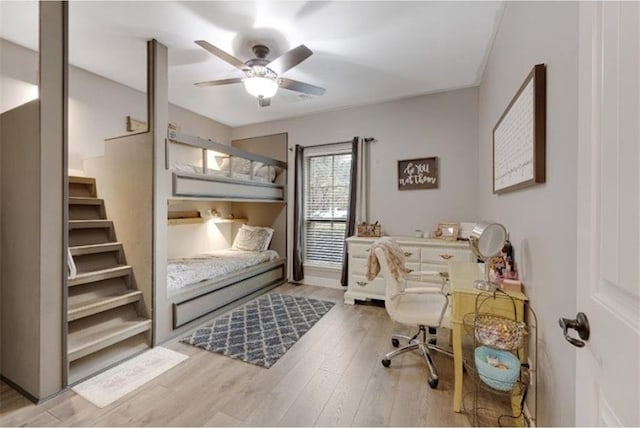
[261, 86]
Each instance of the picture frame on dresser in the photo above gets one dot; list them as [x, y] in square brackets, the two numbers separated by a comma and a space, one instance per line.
[447, 231]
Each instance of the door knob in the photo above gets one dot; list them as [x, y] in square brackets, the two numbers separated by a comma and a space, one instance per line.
[579, 324]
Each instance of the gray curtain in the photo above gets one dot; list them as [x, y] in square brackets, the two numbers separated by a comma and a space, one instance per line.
[351, 215]
[298, 215]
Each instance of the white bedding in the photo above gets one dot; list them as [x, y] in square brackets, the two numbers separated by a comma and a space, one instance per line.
[192, 270]
[193, 169]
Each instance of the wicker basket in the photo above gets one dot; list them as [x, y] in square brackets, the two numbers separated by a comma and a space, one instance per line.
[496, 331]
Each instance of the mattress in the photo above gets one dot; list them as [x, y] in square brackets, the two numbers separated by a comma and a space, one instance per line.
[187, 271]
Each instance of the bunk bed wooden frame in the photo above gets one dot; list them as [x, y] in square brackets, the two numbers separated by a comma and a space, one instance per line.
[209, 297]
[203, 298]
[203, 185]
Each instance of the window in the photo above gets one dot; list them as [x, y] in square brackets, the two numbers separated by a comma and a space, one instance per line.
[326, 203]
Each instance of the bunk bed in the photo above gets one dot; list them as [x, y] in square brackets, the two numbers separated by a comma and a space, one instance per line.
[197, 172]
[200, 285]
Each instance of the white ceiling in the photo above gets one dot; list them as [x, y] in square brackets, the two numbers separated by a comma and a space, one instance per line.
[364, 52]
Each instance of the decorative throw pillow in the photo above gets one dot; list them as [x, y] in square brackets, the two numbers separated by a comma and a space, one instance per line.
[266, 172]
[238, 165]
[251, 240]
[267, 230]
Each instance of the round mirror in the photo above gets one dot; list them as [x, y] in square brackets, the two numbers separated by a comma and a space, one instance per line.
[486, 241]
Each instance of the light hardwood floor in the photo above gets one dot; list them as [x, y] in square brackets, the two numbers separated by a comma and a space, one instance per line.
[331, 377]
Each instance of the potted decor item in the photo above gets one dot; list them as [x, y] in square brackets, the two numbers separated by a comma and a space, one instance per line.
[369, 230]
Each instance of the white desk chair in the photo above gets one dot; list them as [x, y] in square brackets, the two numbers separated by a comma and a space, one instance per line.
[421, 306]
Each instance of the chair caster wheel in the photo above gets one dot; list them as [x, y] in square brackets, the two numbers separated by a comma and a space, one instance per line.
[433, 383]
[395, 342]
[386, 362]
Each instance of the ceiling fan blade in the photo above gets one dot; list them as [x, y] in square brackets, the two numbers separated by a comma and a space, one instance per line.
[290, 59]
[222, 55]
[219, 82]
[264, 102]
[297, 86]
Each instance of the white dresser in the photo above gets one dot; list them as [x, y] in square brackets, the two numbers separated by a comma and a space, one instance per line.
[421, 253]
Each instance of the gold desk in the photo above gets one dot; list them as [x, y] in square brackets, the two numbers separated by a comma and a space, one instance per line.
[463, 293]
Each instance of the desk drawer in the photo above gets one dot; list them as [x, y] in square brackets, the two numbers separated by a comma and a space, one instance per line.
[362, 284]
[444, 255]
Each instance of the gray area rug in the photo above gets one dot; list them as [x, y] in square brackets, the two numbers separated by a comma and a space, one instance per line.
[261, 331]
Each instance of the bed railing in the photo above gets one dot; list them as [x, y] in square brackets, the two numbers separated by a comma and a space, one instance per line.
[205, 146]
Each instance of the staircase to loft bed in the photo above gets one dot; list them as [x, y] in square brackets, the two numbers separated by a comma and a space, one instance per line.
[107, 321]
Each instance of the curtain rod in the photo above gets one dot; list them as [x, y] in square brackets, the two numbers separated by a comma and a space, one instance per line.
[366, 140]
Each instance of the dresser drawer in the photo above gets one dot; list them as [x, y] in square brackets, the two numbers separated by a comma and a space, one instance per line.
[359, 250]
[412, 266]
[444, 255]
[361, 284]
[411, 254]
[357, 266]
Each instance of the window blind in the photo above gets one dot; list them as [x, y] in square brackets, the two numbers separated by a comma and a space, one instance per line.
[326, 203]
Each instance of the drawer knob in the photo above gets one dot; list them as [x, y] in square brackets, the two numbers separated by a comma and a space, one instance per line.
[446, 256]
[361, 283]
[408, 254]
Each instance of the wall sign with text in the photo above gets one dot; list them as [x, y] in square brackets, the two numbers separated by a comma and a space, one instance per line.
[418, 174]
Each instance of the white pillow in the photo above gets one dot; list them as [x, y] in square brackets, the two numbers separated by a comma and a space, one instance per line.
[253, 239]
[265, 172]
[239, 165]
[185, 167]
[267, 230]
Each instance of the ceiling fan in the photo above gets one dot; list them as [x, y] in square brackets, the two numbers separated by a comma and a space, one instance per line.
[262, 76]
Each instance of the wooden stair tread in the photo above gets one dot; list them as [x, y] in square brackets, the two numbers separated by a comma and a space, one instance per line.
[89, 224]
[105, 358]
[98, 275]
[102, 335]
[81, 180]
[82, 200]
[101, 304]
[80, 250]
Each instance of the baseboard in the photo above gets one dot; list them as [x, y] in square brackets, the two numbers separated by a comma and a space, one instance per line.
[322, 282]
[27, 395]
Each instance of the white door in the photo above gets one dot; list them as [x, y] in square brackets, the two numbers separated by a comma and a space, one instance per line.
[608, 289]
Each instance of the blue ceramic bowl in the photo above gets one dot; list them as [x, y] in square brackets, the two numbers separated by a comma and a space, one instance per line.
[503, 377]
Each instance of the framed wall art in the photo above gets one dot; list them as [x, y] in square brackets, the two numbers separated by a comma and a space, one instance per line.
[519, 137]
[418, 174]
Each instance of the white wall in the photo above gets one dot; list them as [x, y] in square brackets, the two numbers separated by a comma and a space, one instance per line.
[541, 219]
[98, 107]
[443, 125]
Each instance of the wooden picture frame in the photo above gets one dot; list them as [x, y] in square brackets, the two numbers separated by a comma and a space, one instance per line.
[418, 173]
[447, 231]
[519, 137]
